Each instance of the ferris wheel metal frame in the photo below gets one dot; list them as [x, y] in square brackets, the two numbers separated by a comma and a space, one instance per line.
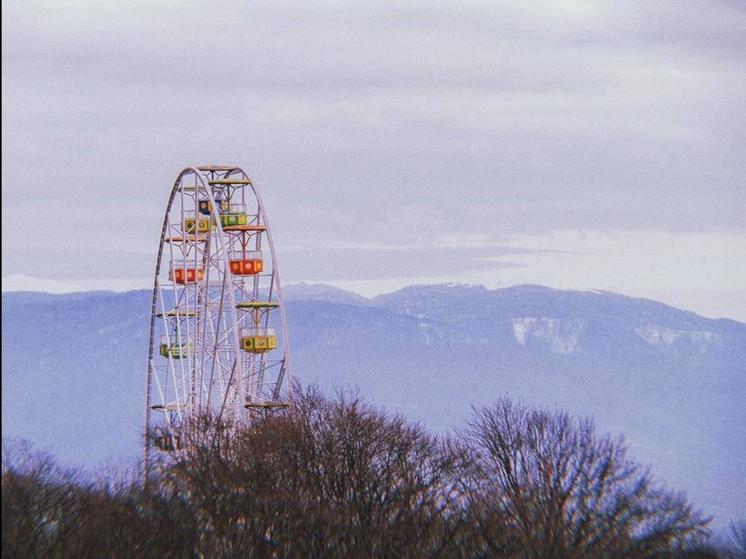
[217, 311]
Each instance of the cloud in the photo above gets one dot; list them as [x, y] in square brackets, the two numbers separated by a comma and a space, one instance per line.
[20, 282]
[369, 126]
[702, 272]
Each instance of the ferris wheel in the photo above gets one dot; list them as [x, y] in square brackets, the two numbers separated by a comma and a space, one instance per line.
[218, 340]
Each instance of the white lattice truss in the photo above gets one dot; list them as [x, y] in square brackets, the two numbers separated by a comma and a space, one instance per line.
[206, 307]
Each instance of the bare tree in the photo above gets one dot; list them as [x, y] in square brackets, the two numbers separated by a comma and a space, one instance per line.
[547, 486]
[336, 477]
[49, 511]
[37, 497]
[332, 478]
[735, 546]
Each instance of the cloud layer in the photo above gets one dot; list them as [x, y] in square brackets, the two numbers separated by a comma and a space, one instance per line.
[380, 125]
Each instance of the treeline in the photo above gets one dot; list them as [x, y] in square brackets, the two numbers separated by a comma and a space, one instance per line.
[336, 477]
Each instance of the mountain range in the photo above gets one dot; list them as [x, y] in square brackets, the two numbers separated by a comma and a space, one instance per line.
[672, 382]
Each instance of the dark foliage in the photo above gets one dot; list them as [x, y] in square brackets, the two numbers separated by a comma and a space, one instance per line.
[336, 477]
[547, 486]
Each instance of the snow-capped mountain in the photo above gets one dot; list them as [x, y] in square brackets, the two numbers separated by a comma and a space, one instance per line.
[673, 382]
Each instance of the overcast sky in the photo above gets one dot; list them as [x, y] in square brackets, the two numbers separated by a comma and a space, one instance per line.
[586, 145]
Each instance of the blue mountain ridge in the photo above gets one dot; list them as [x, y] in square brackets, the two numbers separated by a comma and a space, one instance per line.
[673, 382]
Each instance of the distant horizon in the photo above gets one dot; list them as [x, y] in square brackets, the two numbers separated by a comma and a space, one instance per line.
[18, 283]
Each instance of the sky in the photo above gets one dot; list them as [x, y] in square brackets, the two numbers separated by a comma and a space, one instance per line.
[579, 145]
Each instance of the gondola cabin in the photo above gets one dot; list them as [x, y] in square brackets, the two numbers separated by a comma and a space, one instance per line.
[202, 225]
[185, 273]
[175, 351]
[204, 206]
[246, 263]
[166, 441]
[258, 340]
[233, 216]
